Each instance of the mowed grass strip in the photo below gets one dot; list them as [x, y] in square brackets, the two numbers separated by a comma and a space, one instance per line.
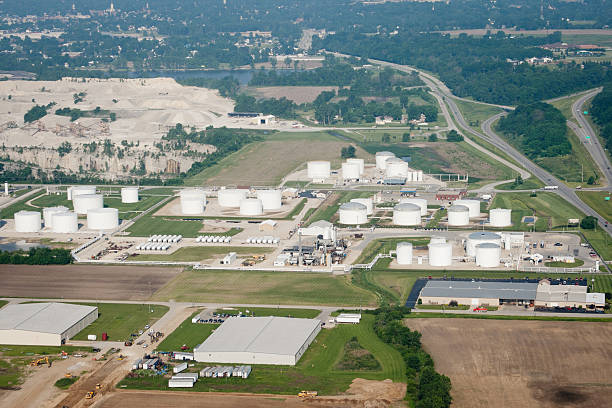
[263, 287]
[188, 334]
[596, 200]
[149, 225]
[266, 311]
[203, 253]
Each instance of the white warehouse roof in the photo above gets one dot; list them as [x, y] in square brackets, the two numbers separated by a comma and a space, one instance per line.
[55, 318]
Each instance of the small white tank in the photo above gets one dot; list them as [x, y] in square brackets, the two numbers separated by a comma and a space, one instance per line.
[270, 199]
[488, 255]
[65, 222]
[102, 219]
[319, 170]
[421, 202]
[48, 214]
[440, 254]
[436, 239]
[407, 214]
[231, 197]
[381, 159]
[500, 217]
[472, 205]
[27, 221]
[368, 202]
[251, 206]
[404, 253]
[85, 202]
[80, 190]
[481, 237]
[353, 214]
[458, 215]
[129, 195]
[350, 171]
[359, 162]
[396, 168]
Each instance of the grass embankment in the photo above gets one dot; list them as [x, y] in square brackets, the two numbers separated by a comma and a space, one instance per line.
[443, 307]
[188, 227]
[596, 200]
[314, 371]
[203, 253]
[9, 350]
[2, 303]
[8, 212]
[476, 113]
[266, 311]
[531, 183]
[577, 263]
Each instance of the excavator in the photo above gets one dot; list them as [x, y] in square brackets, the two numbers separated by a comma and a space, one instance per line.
[41, 361]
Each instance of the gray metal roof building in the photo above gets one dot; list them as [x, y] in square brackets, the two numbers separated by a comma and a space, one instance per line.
[49, 324]
[475, 290]
[259, 340]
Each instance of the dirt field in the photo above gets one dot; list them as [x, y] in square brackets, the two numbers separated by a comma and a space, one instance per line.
[298, 94]
[83, 281]
[495, 363]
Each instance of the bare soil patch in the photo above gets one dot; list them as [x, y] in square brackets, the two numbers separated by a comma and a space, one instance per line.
[494, 363]
[297, 94]
[83, 281]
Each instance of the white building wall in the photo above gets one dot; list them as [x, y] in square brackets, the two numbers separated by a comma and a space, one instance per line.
[81, 325]
[23, 337]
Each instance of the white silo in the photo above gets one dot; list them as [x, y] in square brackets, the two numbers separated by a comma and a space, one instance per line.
[80, 190]
[436, 239]
[396, 168]
[414, 175]
[419, 175]
[270, 199]
[129, 195]
[480, 237]
[251, 206]
[500, 217]
[350, 171]
[407, 214]
[65, 222]
[421, 202]
[85, 202]
[472, 205]
[48, 214]
[27, 221]
[381, 159]
[404, 253]
[409, 176]
[488, 255]
[319, 170]
[440, 254]
[353, 214]
[231, 197]
[368, 202]
[360, 163]
[102, 218]
[458, 215]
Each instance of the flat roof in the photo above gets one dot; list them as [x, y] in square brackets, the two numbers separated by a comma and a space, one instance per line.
[489, 290]
[53, 318]
[266, 335]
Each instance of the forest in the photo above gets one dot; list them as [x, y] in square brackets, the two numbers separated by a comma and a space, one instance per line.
[37, 256]
[601, 110]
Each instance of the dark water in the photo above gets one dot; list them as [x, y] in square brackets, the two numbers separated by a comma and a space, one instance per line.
[19, 245]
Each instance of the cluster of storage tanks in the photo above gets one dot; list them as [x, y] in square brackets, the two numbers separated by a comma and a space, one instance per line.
[461, 211]
[152, 246]
[262, 240]
[165, 238]
[395, 167]
[440, 252]
[353, 169]
[409, 211]
[207, 239]
[265, 200]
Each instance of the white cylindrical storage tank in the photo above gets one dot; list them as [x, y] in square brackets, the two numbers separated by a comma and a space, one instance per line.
[102, 218]
[421, 202]
[404, 253]
[359, 162]
[396, 168]
[193, 193]
[419, 175]
[350, 171]
[192, 205]
[80, 190]
[488, 255]
[129, 195]
[458, 215]
[69, 193]
[251, 206]
[85, 202]
[440, 254]
[27, 221]
[472, 205]
[353, 214]
[65, 222]
[319, 170]
[407, 214]
[231, 197]
[48, 214]
[436, 239]
[414, 175]
[368, 202]
[270, 199]
[480, 237]
[500, 217]
[381, 159]
[409, 176]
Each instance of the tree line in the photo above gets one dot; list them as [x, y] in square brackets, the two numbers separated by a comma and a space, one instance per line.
[601, 110]
[37, 256]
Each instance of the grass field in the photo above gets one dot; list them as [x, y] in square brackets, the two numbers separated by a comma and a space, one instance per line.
[476, 113]
[9, 211]
[314, 371]
[10, 373]
[29, 351]
[565, 106]
[595, 200]
[601, 241]
[130, 210]
[203, 253]
[149, 225]
[258, 287]
[266, 311]
[531, 183]
[2, 303]
[52, 200]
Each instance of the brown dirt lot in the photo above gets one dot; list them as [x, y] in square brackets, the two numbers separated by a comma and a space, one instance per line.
[83, 281]
[297, 94]
[501, 363]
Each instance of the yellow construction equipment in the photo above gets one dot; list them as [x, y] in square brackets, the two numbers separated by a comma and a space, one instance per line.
[68, 375]
[307, 394]
[90, 395]
[41, 361]
[98, 386]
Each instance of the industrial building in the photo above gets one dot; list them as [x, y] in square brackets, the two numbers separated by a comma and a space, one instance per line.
[43, 324]
[259, 340]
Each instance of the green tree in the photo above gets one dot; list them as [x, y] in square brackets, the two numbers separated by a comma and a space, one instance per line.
[591, 181]
[35, 113]
[433, 137]
[406, 137]
[386, 138]
[453, 136]
[588, 222]
[347, 152]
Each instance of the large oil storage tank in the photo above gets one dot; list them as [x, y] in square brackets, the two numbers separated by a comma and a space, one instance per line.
[65, 222]
[396, 168]
[319, 170]
[231, 197]
[440, 254]
[192, 205]
[488, 255]
[500, 217]
[368, 202]
[350, 171]
[194, 193]
[102, 218]
[353, 214]
[270, 199]
[436, 239]
[421, 202]
[480, 237]
[407, 214]
[472, 205]
[404, 253]
[85, 202]
[419, 175]
[80, 190]
[381, 159]
[251, 206]
[129, 195]
[48, 214]
[27, 221]
[359, 162]
[458, 215]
